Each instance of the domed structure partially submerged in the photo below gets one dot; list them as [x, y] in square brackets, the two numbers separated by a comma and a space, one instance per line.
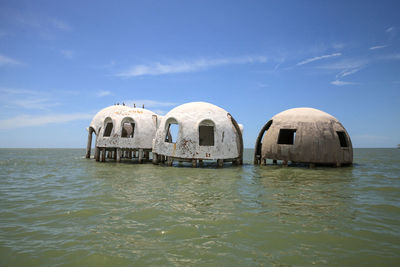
[198, 131]
[122, 131]
[304, 135]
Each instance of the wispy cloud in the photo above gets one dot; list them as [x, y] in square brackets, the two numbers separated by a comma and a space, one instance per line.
[60, 25]
[69, 54]
[377, 47]
[29, 120]
[103, 93]
[149, 103]
[341, 83]
[390, 29]
[187, 66]
[35, 103]
[318, 58]
[26, 99]
[7, 61]
[390, 57]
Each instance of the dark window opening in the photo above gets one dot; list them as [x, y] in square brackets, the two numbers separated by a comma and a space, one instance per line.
[287, 136]
[206, 135]
[343, 139]
[108, 130]
[128, 129]
[172, 133]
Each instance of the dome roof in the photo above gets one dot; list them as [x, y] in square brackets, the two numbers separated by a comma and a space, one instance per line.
[197, 108]
[115, 111]
[304, 114]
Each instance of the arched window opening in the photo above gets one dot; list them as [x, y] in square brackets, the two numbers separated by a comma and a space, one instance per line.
[206, 133]
[108, 129]
[287, 136]
[342, 139]
[128, 130]
[172, 131]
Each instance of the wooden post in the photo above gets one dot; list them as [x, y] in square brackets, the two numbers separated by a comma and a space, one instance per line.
[97, 153]
[140, 155]
[89, 143]
[194, 163]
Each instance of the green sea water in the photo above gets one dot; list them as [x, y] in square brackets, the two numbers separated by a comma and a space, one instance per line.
[58, 208]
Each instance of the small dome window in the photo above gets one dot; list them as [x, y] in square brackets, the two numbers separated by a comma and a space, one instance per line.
[206, 133]
[287, 136]
[172, 131]
[108, 127]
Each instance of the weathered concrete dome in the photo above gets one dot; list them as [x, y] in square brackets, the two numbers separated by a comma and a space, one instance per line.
[204, 132]
[98, 120]
[304, 135]
[121, 129]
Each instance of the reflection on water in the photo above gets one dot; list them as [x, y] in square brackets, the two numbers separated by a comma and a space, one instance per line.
[57, 207]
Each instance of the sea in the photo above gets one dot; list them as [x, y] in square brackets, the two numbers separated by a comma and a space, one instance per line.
[58, 208]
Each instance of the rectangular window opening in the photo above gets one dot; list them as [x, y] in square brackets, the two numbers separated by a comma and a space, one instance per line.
[128, 130]
[342, 139]
[287, 136]
[206, 135]
[108, 129]
[172, 133]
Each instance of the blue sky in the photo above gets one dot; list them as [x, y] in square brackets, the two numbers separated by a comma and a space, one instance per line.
[62, 61]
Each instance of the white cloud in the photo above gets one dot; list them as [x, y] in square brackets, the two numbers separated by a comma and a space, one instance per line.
[103, 93]
[187, 66]
[67, 53]
[318, 58]
[341, 83]
[391, 57]
[149, 103]
[377, 47]
[61, 25]
[35, 103]
[4, 60]
[29, 121]
[390, 29]
[13, 91]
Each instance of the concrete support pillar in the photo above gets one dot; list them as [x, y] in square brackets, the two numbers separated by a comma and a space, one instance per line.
[194, 163]
[338, 165]
[140, 155]
[220, 163]
[170, 160]
[115, 154]
[118, 155]
[146, 155]
[155, 158]
[103, 155]
[89, 143]
[97, 153]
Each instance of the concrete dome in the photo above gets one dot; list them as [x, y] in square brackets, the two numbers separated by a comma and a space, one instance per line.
[121, 129]
[204, 131]
[98, 120]
[304, 135]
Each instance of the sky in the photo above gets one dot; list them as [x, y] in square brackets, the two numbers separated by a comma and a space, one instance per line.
[63, 61]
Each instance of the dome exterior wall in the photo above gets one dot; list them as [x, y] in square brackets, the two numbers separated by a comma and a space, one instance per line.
[225, 141]
[306, 135]
[140, 121]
